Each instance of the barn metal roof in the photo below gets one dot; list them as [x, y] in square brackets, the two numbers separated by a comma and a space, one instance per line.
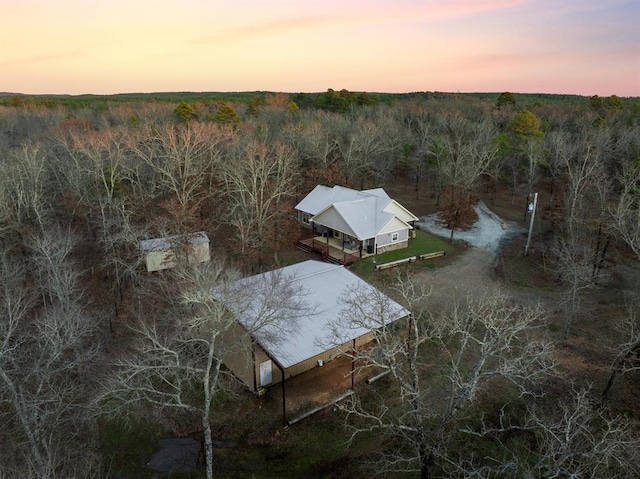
[319, 319]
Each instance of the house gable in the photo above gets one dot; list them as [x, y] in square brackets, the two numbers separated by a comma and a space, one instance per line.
[394, 225]
[331, 218]
[400, 211]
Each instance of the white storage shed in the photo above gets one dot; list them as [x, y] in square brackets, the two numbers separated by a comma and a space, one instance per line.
[163, 253]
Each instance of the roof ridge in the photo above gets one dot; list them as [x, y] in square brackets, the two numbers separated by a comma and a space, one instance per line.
[329, 267]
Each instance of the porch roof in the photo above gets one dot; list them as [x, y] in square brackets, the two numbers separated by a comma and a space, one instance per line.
[364, 218]
[326, 321]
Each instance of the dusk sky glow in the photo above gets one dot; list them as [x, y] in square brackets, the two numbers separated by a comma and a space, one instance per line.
[586, 47]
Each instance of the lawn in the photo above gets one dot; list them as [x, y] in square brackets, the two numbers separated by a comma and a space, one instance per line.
[421, 244]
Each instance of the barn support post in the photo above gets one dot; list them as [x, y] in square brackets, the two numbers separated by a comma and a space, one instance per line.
[353, 365]
[254, 361]
[284, 397]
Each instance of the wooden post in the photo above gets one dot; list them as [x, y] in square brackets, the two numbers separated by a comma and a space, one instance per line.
[284, 399]
[353, 365]
[254, 361]
[533, 215]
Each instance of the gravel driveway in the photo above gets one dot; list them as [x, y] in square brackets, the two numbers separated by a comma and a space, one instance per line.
[472, 274]
[486, 233]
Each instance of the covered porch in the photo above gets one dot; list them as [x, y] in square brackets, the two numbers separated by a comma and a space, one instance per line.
[335, 250]
[334, 245]
[315, 389]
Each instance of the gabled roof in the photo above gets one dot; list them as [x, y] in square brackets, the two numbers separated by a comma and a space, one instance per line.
[322, 196]
[363, 214]
[324, 321]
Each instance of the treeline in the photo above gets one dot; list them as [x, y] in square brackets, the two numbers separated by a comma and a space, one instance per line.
[81, 185]
[331, 100]
[214, 160]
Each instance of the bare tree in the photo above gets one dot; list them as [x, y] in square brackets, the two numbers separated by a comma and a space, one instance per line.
[174, 362]
[626, 215]
[363, 151]
[578, 250]
[30, 188]
[8, 214]
[577, 439]
[259, 182]
[491, 342]
[181, 158]
[628, 351]
[560, 437]
[626, 222]
[574, 257]
[418, 151]
[561, 148]
[47, 350]
[315, 143]
[464, 151]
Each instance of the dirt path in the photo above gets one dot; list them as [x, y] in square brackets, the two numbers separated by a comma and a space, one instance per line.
[472, 274]
[469, 276]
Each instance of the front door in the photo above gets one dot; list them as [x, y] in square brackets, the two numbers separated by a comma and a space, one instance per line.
[266, 373]
[371, 244]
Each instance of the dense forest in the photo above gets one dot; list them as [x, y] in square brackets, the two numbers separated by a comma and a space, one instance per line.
[99, 359]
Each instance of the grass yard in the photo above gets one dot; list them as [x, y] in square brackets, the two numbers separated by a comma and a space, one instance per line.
[421, 244]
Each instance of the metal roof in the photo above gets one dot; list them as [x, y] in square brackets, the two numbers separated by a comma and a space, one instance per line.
[314, 316]
[365, 212]
[163, 244]
[322, 197]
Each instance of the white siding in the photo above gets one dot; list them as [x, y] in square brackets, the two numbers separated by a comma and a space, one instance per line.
[394, 225]
[159, 260]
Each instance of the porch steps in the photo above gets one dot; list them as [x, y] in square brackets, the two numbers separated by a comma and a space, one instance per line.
[304, 247]
[330, 259]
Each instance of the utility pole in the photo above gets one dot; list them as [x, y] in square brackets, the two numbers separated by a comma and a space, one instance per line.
[532, 209]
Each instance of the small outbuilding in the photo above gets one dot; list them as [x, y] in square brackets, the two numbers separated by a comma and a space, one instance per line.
[164, 253]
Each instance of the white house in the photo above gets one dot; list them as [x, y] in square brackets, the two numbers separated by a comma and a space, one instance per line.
[162, 253]
[366, 221]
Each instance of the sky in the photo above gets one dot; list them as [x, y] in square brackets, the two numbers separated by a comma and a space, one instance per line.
[585, 47]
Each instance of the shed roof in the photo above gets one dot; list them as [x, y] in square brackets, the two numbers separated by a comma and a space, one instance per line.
[326, 321]
[168, 242]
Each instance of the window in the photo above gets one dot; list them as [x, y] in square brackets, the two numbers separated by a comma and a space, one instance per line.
[336, 234]
[305, 218]
[394, 237]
